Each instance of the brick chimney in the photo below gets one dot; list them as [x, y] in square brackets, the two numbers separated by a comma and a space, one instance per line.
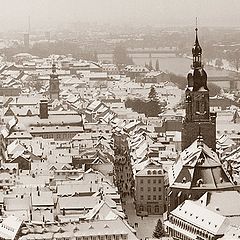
[43, 114]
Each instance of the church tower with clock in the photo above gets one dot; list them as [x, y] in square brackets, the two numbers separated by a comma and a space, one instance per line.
[54, 89]
[198, 118]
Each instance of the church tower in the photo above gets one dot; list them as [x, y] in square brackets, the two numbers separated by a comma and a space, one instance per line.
[54, 89]
[198, 116]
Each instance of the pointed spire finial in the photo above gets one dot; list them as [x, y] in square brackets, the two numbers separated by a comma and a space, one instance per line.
[197, 50]
[196, 29]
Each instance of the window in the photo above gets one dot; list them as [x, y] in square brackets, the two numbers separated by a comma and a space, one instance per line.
[149, 181]
[149, 197]
[154, 189]
[141, 189]
[141, 180]
[154, 197]
[149, 189]
[159, 189]
[159, 181]
[124, 236]
[141, 197]
[197, 106]
[160, 197]
[154, 180]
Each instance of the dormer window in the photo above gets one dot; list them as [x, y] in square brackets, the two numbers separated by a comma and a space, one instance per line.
[199, 182]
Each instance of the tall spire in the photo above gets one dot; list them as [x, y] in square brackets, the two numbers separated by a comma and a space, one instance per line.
[197, 52]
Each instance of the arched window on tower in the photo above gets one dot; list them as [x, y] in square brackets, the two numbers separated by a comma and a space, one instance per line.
[197, 106]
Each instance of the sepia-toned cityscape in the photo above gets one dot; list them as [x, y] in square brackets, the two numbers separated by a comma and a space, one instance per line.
[119, 120]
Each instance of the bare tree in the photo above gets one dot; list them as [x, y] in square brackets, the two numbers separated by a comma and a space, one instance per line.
[234, 58]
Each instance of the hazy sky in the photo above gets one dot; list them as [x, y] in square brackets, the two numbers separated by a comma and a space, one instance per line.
[49, 13]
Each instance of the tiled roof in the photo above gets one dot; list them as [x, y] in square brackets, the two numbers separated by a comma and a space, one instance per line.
[191, 212]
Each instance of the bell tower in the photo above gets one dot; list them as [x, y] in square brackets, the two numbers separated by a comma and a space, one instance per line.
[197, 104]
[54, 89]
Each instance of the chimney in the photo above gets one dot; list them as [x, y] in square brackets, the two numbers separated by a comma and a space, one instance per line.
[43, 114]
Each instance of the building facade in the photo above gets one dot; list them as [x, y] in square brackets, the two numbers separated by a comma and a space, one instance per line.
[150, 190]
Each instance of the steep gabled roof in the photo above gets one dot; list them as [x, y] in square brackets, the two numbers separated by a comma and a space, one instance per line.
[199, 168]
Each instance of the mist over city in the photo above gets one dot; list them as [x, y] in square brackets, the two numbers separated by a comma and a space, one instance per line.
[48, 14]
[119, 119]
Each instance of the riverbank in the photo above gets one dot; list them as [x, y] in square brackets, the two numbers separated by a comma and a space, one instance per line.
[170, 63]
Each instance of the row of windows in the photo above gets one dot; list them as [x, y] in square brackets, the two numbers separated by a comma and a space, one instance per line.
[109, 237]
[154, 172]
[190, 228]
[54, 135]
[150, 209]
[151, 180]
[154, 189]
[4, 181]
[66, 173]
[150, 197]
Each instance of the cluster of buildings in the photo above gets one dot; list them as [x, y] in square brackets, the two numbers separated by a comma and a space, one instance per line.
[71, 152]
[203, 186]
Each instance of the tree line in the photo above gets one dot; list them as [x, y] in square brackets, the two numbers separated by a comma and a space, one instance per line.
[151, 107]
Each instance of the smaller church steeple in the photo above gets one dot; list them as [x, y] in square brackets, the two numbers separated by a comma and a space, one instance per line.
[54, 89]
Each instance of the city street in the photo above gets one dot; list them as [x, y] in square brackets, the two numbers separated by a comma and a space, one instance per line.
[143, 225]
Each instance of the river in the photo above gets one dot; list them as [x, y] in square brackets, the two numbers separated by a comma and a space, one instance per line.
[167, 62]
